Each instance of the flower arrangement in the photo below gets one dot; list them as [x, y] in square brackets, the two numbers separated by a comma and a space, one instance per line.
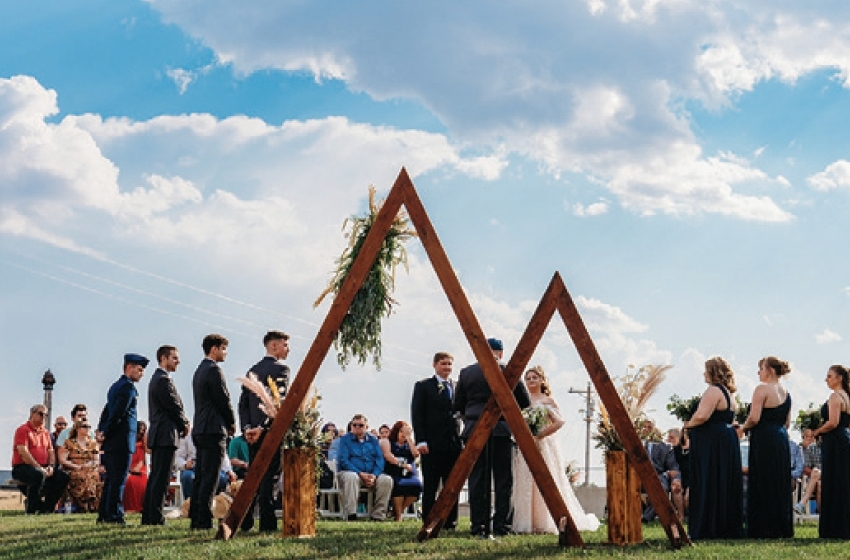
[683, 409]
[535, 417]
[359, 335]
[305, 432]
[808, 419]
[635, 390]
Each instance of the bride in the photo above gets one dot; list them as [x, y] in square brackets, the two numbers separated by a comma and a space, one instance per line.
[530, 512]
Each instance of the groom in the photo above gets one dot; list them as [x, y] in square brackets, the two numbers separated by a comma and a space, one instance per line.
[471, 396]
[436, 430]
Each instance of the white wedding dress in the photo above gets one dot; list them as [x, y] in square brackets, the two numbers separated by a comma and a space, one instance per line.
[530, 512]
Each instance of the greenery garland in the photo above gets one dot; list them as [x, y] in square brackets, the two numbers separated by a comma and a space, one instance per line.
[683, 409]
[809, 419]
[359, 335]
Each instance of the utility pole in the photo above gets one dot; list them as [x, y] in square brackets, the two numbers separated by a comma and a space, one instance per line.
[589, 405]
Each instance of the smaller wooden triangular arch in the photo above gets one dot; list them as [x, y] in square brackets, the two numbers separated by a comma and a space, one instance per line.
[503, 402]
[556, 298]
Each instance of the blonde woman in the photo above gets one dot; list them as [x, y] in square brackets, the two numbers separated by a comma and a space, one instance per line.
[716, 493]
[530, 512]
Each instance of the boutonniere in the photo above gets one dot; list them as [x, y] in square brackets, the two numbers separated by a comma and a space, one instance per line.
[440, 388]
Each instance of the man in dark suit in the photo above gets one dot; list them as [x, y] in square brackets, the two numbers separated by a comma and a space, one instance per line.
[663, 458]
[436, 431]
[254, 423]
[214, 420]
[496, 460]
[117, 432]
[168, 425]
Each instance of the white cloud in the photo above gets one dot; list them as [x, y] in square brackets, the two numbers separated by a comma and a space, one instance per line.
[604, 317]
[595, 209]
[826, 336]
[194, 182]
[613, 113]
[836, 175]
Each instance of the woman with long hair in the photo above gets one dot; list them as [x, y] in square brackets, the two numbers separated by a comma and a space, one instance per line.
[834, 522]
[399, 462]
[530, 512]
[717, 489]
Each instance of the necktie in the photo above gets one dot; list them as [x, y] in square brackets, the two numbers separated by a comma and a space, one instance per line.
[448, 387]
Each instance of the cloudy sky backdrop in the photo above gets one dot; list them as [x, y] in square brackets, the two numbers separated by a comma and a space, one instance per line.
[173, 168]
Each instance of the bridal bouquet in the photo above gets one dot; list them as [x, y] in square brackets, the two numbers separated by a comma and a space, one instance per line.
[535, 417]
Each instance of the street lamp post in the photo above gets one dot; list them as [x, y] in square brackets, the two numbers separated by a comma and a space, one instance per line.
[589, 405]
[48, 380]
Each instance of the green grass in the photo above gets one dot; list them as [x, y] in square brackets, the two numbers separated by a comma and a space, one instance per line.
[77, 536]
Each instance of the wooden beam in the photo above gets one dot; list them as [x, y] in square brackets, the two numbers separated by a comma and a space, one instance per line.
[620, 418]
[313, 360]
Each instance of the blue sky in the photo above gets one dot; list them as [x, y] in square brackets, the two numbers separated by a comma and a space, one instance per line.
[171, 169]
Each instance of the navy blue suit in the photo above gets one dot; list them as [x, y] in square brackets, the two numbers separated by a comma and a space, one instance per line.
[495, 462]
[118, 424]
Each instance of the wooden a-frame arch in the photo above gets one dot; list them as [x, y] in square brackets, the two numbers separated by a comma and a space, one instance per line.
[501, 384]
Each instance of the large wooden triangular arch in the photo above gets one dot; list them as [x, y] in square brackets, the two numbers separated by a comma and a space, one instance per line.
[501, 384]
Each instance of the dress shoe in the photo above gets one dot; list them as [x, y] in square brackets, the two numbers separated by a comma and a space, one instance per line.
[352, 517]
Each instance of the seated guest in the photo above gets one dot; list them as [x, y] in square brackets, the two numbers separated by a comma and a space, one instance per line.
[383, 431]
[330, 433]
[399, 463]
[184, 460]
[333, 448]
[361, 465]
[811, 469]
[33, 458]
[664, 461]
[137, 477]
[59, 426]
[79, 412]
[80, 457]
[239, 454]
[678, 440]
[796, 462]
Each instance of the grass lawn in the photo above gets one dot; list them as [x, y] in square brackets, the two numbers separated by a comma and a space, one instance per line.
[77, 536]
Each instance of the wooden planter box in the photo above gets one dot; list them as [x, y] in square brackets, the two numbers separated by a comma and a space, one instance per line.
[299, 493]
[624, 505]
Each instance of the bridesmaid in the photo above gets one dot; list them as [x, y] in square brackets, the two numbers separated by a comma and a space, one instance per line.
[834, 520]
[716, 493]
[770, 505]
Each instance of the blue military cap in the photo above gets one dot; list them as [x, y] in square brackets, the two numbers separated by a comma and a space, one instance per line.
[495, 344]
[136, 359]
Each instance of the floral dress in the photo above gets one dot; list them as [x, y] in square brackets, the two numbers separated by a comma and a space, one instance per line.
[85, 486]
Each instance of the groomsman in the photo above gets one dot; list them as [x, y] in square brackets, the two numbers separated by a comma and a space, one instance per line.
[436, 430]
[214, 420]
[168, 425]
[255, 423]
[496, 460]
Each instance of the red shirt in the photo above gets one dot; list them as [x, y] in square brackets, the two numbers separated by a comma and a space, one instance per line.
[37, 441]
